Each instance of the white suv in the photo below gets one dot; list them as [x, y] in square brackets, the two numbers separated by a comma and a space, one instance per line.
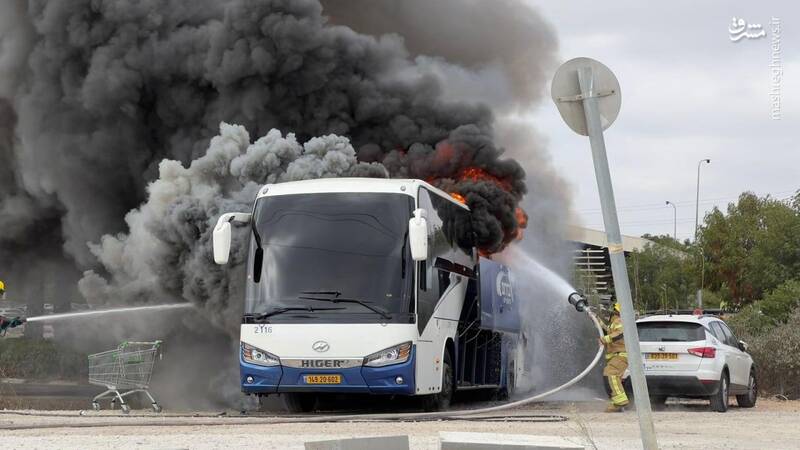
[696, 356]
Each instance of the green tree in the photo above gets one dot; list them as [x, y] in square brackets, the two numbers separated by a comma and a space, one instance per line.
[779, 303]
[750, 323]
[666, 241]
[662, 276]
[752, 248]
[775, 349]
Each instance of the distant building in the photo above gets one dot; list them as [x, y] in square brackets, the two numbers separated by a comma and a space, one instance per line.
[592, 262]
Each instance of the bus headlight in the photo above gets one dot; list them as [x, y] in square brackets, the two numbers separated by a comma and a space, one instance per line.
[255, 355]
[392, 355]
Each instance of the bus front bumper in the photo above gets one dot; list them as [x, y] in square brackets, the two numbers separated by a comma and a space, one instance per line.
[257, 379]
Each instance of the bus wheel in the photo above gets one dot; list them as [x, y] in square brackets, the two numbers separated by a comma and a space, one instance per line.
[299, 402]
[441, 401]
[506, 392]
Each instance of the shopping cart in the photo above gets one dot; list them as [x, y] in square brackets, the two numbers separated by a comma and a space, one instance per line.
[127, 368]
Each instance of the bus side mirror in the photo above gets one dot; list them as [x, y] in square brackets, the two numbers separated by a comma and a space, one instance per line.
[418, 235]
[222, 242]
[221, 237]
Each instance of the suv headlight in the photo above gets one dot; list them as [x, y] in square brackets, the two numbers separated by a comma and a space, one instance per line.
[392, 355]
[255, 355]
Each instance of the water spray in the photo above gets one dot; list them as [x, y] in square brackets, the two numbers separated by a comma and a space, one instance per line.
[99, 312]
[6, 322]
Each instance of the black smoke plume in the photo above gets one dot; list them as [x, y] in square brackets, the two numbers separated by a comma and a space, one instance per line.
[95, 94]
[506, 47]
[118, 148]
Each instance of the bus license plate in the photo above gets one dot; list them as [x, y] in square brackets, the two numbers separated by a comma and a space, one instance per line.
[663, 356]
[323, 379]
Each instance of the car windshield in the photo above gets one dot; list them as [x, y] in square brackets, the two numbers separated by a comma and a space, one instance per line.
[344, 248]
[670, 332]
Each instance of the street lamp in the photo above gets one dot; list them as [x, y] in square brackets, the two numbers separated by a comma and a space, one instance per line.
[697, 203]
[674, 220]
[696, 218]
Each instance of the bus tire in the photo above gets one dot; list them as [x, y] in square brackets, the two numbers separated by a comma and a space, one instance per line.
[441, 401]
[507, 391]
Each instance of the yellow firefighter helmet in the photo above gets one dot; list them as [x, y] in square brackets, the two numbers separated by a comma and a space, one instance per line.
[616, 307]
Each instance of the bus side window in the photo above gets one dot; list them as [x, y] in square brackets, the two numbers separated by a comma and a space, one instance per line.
[456, 227]
[444, 281]
[428, 294]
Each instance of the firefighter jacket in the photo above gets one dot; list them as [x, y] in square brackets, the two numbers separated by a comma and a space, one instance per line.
[614, 339]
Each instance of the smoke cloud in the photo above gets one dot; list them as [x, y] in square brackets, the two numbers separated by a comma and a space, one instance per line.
[118, 149]
[499, 52]
[167, 251]
[97, 94]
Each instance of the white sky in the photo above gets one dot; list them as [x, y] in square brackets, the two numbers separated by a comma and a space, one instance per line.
[688, 93]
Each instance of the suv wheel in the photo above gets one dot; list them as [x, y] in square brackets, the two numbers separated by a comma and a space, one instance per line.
[719, 401]
[749, 400]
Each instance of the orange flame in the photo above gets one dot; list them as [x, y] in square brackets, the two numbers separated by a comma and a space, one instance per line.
[480, 174]
[522, 221]
[459, 198]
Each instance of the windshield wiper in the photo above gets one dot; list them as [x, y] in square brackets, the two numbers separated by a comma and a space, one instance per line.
[334, 293]
[338, 299]
[277, 311]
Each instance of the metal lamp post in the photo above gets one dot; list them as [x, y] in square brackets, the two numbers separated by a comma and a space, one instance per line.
[674, 220]
[696, 227]
[697, 202]
[587, 95]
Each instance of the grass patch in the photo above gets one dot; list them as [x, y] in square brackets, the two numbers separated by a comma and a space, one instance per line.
[40, 360]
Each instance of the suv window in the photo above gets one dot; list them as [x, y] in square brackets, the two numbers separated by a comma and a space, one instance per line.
[670, 332]
[717, 331]
[730, 339]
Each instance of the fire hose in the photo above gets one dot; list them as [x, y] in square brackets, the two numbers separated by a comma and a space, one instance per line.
[576, 300]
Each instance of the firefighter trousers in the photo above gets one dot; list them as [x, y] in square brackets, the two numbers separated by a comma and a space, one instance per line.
[616, 363]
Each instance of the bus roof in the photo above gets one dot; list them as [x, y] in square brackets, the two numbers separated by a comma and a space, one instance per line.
[326, 185]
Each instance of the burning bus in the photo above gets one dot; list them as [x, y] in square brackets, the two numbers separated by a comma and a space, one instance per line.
[372, 286]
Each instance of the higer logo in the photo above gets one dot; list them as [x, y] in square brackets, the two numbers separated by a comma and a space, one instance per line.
[322, 363]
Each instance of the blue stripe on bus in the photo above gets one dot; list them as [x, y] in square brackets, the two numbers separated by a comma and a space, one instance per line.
[375, 380]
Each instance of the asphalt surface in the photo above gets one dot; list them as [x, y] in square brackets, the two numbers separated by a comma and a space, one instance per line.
[683, 425]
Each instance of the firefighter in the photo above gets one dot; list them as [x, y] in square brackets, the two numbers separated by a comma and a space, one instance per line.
[7, 322]
[616, 360]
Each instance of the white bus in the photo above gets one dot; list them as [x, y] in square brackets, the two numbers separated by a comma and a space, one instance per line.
[358, 285]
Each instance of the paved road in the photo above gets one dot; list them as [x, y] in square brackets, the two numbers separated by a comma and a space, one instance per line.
[771, 425]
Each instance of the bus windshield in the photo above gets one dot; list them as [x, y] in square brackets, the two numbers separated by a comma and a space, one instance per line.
[344, 255]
